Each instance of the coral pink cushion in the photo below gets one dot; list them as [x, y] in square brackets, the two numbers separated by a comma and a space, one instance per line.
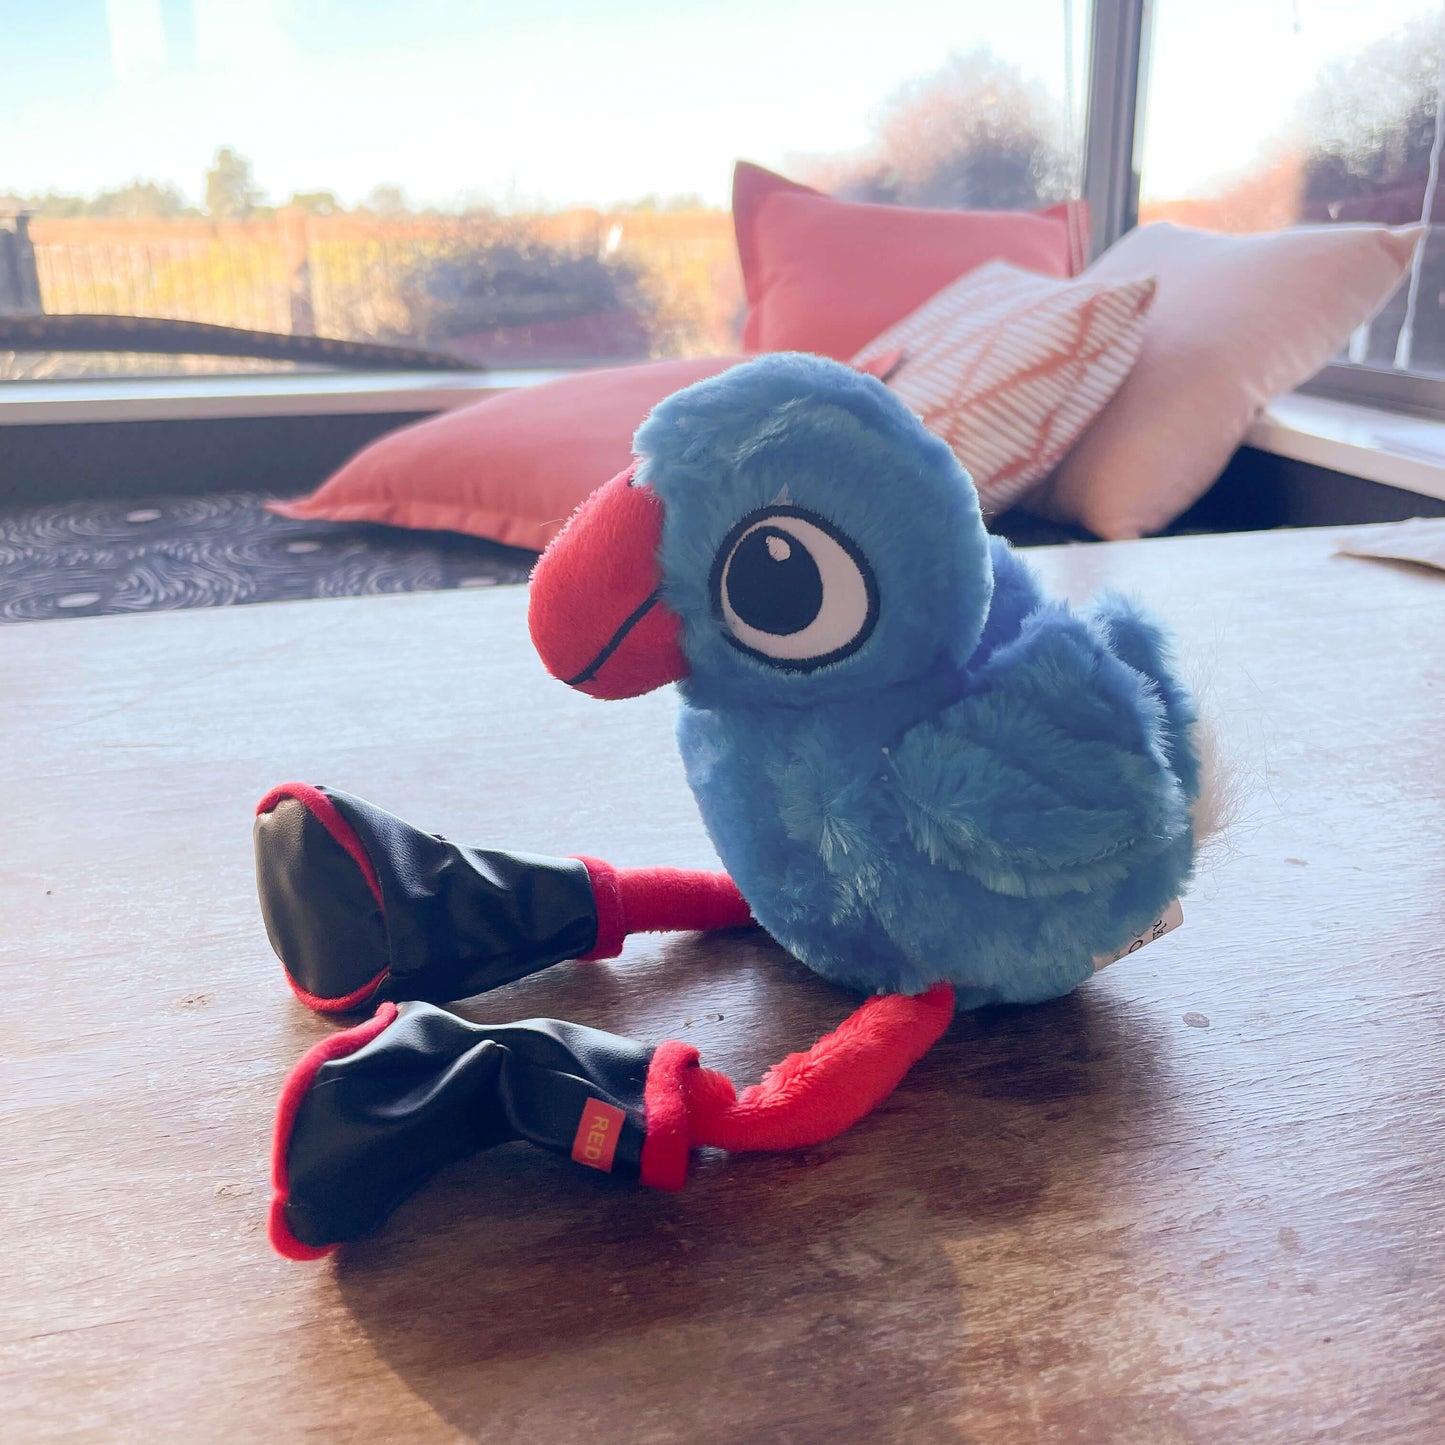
[513, 467]
[827, 276]
[1008, 367]
[1237, 321]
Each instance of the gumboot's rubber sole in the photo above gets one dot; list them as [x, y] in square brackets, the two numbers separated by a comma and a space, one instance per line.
[293, 1093]
[325, 812]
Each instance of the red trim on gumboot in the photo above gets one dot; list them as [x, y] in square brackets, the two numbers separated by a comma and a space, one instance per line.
[666, 1146]
[325, 812]
[346, 1005]
[611, 920]
[298, 1084]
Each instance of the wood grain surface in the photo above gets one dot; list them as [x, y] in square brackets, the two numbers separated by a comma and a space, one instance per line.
[1199, 1200]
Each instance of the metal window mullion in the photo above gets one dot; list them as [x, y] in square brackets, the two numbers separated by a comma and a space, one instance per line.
[1381, 388]
[1118, 55]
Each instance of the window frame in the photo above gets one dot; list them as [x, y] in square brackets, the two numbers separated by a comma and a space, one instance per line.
[1375, 386]
[1118, 72]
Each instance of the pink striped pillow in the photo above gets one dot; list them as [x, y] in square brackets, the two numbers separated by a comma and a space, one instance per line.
[1010, 367]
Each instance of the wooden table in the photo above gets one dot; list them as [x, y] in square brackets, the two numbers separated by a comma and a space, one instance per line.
[1201, 1200]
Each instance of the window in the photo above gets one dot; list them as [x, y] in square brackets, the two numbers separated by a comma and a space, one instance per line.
[1268, 113]
[519, 185]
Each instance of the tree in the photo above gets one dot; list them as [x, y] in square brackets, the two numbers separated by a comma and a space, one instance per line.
[52, 204]
[1369, 128]
[975, 133]
[1369, 124]
[501, 294]
[139, 200]
[387, 199]
[231, 193]
[316, 203]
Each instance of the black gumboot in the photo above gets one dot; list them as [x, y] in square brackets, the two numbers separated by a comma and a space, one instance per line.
[361, 1132]
[360, 905]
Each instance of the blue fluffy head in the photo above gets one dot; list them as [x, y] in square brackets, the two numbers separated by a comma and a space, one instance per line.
[818, 542]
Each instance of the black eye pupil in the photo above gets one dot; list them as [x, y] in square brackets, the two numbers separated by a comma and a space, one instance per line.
[773, 583]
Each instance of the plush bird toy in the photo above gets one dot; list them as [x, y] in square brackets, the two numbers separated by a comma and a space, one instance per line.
[925, 779]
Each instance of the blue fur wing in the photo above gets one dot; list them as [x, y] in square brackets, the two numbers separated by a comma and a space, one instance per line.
[1051, 774]
[1017, 594]
[1137, 640]
[1045, 812]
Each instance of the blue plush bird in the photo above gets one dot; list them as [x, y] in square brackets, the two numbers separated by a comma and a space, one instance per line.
[916, 767]
[926, 779]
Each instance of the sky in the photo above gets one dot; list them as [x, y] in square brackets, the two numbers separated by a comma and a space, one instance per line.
[592, 102]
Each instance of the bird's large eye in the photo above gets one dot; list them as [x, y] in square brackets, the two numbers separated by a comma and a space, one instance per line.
[789, 587]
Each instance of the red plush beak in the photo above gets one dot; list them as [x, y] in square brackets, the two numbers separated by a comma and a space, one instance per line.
[595, 613]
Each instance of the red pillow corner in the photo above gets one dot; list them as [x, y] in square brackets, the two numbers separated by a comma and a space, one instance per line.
[511, 468]
[827, 276]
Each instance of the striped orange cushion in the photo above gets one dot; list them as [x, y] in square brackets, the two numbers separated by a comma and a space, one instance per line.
[1009, 367]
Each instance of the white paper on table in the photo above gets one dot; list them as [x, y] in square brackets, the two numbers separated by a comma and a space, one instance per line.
[1421, 540]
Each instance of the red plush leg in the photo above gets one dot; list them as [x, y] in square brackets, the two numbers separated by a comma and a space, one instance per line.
[804, 1100]
[660, 900]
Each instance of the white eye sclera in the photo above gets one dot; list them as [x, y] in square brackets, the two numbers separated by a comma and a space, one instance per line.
[792, 589]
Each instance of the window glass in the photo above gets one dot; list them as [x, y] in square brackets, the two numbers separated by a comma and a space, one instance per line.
[514, 184]
[1331, 112]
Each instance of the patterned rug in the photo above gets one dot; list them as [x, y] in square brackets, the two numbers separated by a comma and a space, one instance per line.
[83, 559]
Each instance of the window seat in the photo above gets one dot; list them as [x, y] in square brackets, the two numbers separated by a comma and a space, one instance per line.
[1308, 461]
[1391, 448]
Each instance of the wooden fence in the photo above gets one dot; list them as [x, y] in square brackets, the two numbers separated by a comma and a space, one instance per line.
[346, 276]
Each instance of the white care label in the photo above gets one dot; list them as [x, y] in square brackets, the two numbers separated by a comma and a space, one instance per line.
[1167, 922]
